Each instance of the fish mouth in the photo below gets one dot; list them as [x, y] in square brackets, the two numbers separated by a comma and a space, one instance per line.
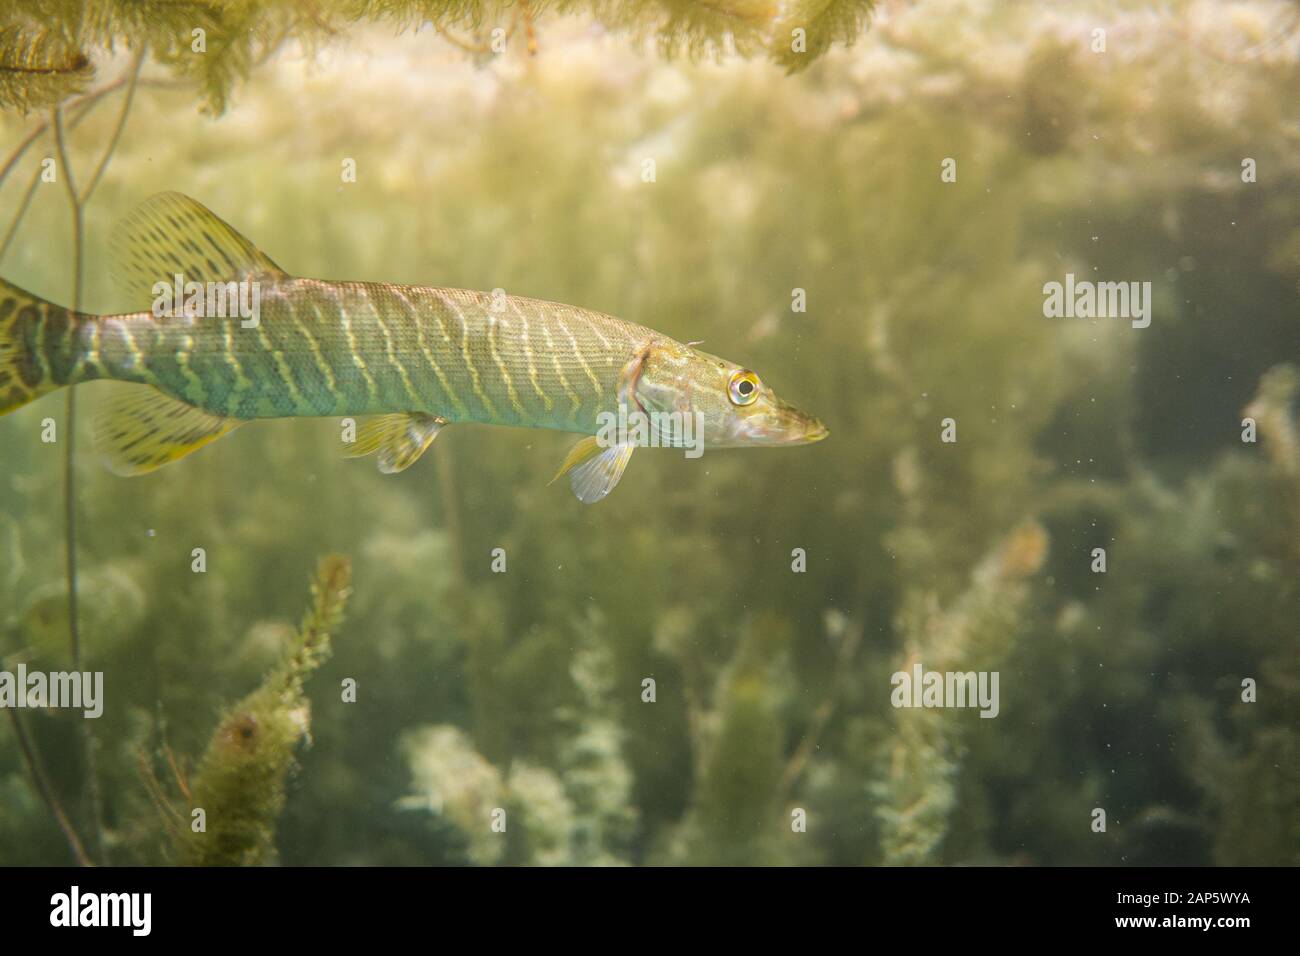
[803, 431]
[777, 425]
[815, 431]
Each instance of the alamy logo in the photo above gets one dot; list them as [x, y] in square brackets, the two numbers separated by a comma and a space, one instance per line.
[71, 689]
[922, 688]
[651, 430]
[75, 908]
[213, 300]
[1098, 300]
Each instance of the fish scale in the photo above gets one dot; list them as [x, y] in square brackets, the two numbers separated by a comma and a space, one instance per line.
[357, 348]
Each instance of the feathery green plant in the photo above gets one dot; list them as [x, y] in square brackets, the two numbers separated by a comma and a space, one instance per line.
[46, 46]
[239, 784]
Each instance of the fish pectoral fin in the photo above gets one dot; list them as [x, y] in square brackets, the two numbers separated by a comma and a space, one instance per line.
[629, 377]
[594, 471]
[137, 429]
[577, 454]
[170, 234]
[400, 439]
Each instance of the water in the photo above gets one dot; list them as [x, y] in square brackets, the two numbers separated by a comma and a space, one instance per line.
[1103, 512]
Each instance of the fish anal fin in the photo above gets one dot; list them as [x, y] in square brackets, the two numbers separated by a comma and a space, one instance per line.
[170, 234]
[399, 439]
[137, 429]
[594, 471]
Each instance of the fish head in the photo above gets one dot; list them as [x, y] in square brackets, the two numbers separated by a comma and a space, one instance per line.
[733, 406]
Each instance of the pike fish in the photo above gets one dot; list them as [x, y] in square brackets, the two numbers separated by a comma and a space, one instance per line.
[411, 359]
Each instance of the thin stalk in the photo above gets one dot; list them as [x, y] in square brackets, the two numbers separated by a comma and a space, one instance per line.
[79, 108]
[19, 214]
[82, 103]
[794, 768]
[78, 201]
[20, 149]
[133, 80]
[46, 792]
[70, 488]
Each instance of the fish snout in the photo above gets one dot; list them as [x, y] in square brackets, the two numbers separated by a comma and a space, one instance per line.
[815, 431]
[782, 425]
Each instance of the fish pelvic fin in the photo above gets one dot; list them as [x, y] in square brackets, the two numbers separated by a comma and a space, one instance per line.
[138, 429]
[170, 234]
[399, 439]
[594, 471]
[24, 375]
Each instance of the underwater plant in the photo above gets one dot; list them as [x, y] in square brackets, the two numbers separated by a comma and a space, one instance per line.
[238, 790]
[45, 47]
[698, 671]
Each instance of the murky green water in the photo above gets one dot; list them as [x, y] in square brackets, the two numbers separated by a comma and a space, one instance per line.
[1097, 517]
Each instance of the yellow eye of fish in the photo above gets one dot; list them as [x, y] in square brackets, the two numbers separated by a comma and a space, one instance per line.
[743, 387]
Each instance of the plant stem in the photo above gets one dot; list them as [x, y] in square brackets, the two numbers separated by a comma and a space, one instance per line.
[80, 109]
[46, 792]
[70, 488]
[78, 201]
[117, 130]
[82, 103]
[19, 213]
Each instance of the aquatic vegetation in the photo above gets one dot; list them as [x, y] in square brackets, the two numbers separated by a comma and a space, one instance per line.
[45, 46]
[239, 784]
[453, 779]
[504, 636]
[923, 758]
[577, 813]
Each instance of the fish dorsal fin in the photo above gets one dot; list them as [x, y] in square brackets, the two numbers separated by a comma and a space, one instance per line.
[170, 234]
[594, 471]
[399, 439]
[137, 429]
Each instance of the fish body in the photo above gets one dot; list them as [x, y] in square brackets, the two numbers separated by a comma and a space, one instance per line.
[416, 357]
[364, 348]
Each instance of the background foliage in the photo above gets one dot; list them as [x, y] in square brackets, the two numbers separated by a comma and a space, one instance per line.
[523, 690]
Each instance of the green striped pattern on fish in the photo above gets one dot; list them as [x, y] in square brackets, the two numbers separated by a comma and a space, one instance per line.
[353, 348]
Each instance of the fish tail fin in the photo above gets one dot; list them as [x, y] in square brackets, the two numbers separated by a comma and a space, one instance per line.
[28, 324]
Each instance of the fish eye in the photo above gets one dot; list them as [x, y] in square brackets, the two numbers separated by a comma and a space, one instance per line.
[743, 387]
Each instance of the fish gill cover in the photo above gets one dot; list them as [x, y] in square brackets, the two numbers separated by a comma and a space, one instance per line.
[1033, 600]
